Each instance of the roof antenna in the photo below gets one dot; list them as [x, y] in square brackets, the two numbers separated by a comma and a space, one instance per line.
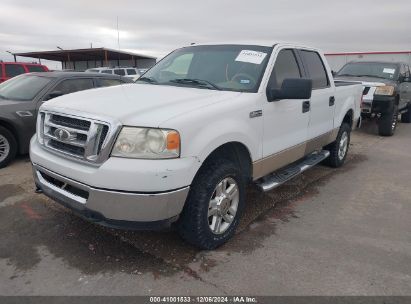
[118, 36]
[118, 44]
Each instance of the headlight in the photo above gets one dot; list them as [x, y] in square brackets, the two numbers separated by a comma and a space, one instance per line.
[384, 90]
[147, 143]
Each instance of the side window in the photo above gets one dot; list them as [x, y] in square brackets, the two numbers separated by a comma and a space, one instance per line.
[131, 72]
[35, 68]
[107, 71]
[74, 85]
[316, 69]
[120, 72]
[109, 82]
[1, 70]
[404, 71]
[407, 71]
[14, 70]
[285, 66]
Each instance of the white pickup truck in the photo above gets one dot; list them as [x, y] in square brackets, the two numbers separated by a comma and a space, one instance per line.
[181, 144]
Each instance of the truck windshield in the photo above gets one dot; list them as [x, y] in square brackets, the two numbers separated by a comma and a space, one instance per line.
[23, 87]
[369, 69]
[217, 67]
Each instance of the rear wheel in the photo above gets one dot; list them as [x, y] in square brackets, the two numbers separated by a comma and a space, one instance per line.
[214, 205]
[339, 148]
[388, 123]
[406, 116]
[8, 147]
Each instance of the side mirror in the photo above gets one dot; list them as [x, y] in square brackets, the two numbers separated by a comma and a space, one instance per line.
[54, 94]
[292, 88]
[333, 73]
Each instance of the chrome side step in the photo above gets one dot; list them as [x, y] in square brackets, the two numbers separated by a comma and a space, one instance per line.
[275, 179]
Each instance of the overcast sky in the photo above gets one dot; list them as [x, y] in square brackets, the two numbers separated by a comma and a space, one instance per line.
[156, 27]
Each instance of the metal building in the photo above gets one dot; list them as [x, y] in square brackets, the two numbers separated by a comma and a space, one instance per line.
[83, 59]
[337, 60]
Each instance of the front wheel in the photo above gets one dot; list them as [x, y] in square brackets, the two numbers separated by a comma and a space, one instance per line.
[387, 123]
[8, 147]
[214, 205]
[339, 148]
[406, 116]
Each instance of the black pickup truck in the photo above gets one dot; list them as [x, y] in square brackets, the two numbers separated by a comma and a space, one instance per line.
[21, 97]
[387, 91]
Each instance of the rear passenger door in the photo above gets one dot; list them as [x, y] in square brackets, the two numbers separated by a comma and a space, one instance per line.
[322, 97]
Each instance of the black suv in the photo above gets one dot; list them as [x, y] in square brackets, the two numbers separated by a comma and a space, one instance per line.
[21, 97]
[387, 91]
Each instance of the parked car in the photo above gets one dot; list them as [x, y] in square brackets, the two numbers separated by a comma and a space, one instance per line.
[11, 69]
[21, 97]
[387, 91]
[181, 144]
[128, 72]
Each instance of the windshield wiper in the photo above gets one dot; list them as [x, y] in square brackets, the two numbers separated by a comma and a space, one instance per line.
[346, 75]
[375, 76]
[147, 79]
[196, 82]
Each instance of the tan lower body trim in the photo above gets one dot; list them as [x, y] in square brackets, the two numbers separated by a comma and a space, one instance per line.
[278, 160]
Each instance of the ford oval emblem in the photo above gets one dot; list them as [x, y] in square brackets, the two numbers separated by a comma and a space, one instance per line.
[62, 134]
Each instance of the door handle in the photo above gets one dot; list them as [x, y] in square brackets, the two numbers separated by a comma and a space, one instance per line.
[331, 101]
[306, 106]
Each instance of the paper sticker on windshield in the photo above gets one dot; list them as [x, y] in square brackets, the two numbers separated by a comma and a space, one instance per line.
[388, 71]
[251, 56]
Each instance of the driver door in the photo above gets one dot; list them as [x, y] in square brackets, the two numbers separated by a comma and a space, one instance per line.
[405, 87]
[285, 121]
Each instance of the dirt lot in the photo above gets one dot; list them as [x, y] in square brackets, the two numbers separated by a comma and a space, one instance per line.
[328, 232]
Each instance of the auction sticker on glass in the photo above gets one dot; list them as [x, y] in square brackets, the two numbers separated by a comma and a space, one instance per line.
[388, 71]
[251, 56]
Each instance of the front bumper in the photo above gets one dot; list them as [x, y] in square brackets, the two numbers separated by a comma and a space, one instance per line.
[123, 209]
[378, 104]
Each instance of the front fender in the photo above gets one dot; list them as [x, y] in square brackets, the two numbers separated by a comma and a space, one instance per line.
[219, 133]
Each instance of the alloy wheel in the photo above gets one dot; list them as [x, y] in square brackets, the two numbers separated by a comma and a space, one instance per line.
[223, 205]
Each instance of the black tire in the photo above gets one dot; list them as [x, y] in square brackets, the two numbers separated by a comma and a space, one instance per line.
[387, 123]
[193, 224]
[406, 116]
[337, 158]
[8, 145]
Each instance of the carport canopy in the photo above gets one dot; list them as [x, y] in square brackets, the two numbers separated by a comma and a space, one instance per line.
[104, 56]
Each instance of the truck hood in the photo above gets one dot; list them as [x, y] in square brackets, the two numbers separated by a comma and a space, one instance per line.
[138, 104]
[367, 81]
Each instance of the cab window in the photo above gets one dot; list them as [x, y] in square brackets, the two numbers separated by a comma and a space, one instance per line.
[316, 69]
[404, 72]
[35, 68]
[109, 82]
[74, 85]
[120, 72]
[14, 70]
[285, 67]
[131, 72]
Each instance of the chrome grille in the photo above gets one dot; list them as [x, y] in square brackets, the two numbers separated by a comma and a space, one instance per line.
[82, 138]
